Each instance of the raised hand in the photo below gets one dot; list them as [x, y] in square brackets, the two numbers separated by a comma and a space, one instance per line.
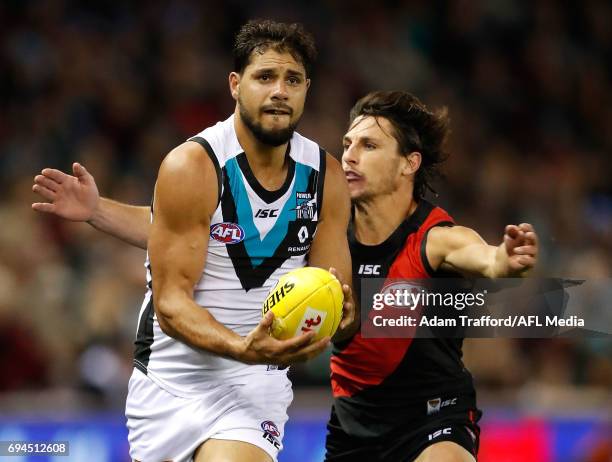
[72, 197]
[259, 347]
[521, 245]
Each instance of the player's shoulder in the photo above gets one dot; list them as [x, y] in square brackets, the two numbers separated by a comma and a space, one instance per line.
[438, 215]
[185, 157]
[186, 181]
[307, 152]
[336, 192]
[334, 168]
[219, 140]
[450, 238]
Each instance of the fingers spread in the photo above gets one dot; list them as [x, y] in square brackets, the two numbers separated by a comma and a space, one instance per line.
[56, 175]
[43, 207]
[46, 193]
[47, 182]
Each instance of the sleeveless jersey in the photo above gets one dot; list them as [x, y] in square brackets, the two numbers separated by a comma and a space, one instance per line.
[256, 236]
[378, 382]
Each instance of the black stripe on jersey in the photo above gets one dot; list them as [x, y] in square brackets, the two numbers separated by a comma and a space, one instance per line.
[267, 196]
[252, 277]
[211, 153]
[430, 271]
[320, 179]
[144, 338]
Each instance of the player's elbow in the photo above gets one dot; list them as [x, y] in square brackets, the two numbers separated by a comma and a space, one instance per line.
[167, 310]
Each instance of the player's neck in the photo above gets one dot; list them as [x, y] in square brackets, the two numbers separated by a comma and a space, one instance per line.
[268, 163]
[375, 220]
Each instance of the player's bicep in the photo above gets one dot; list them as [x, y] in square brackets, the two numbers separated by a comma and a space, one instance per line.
[185, 198]
[330, 245]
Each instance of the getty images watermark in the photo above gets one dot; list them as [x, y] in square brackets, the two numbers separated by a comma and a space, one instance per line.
[451, 308]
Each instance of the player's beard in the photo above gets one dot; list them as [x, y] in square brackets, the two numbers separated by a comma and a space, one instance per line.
[275, 137]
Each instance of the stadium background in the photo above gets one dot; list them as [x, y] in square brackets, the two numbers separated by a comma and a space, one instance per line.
[115, 85]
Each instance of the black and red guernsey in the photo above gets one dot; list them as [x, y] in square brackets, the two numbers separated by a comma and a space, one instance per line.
[380, 384]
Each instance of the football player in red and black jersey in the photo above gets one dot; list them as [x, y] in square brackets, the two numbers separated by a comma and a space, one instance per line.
[408, 399]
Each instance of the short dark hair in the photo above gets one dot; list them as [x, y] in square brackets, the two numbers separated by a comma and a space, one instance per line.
[258, 35]
[415, 128]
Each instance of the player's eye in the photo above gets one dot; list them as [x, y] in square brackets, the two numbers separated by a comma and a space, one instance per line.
[370, 146]
[265, 77]
[293, 80]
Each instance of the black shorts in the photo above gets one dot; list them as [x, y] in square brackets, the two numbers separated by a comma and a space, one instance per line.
[405, 445]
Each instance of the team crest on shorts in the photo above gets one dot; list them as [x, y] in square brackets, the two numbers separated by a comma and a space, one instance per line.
[271, 433]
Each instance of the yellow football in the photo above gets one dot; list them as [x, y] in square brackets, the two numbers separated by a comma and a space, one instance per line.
[303, 300]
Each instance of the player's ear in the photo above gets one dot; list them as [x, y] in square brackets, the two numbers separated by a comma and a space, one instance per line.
[412, 163]
[234, 84]
[307, 84]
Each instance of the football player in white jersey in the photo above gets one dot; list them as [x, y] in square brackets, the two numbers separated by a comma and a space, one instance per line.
[209, 381]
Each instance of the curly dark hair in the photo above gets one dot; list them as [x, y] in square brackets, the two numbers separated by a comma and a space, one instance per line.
[415, 128]
[258, 35]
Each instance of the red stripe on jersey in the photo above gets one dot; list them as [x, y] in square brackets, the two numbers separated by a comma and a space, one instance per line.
[363, 362]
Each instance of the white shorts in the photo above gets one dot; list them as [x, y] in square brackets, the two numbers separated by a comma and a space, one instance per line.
[163, 427]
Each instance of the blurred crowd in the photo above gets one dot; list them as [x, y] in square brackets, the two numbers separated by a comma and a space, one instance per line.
[116, 85]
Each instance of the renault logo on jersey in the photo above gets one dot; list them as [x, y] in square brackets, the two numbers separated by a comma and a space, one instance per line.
[304, 206]
[227, 233]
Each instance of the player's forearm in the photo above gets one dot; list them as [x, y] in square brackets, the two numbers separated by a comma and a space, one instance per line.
[492, 262]
[127, 222]
[474, 260]
[183, 319]
[501, 267]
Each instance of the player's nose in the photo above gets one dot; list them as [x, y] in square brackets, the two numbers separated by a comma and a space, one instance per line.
[350, 155]
[280, 91]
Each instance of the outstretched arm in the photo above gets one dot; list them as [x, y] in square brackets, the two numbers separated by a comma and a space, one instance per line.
[76, 198]
[462, 250]
[330, 245]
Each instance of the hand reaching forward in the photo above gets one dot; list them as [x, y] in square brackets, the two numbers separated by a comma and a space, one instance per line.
[72, 197]
[521, 245]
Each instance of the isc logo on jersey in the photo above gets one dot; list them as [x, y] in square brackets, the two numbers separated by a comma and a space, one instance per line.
[227, 233]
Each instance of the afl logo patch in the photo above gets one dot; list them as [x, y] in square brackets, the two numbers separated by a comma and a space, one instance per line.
[270, 427]
[227, 233]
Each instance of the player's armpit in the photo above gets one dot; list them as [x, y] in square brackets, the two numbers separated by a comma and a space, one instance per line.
[185, 197]
[461, 250]
[330, 245]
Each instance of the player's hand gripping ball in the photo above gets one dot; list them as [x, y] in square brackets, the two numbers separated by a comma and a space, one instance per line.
[306, 299]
